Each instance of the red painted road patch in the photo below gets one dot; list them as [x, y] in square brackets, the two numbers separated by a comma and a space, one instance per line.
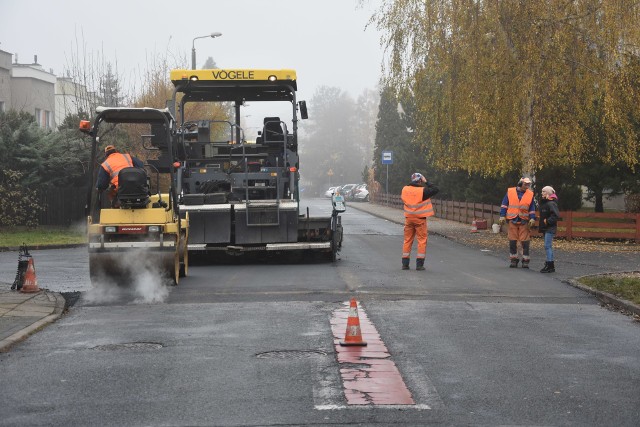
[368, 374]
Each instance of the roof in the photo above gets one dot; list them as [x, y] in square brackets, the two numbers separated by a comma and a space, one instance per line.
[236, 85]
[134, 115]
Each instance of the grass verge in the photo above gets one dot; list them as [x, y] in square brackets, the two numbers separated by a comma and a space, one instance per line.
[623, 286]
[16, 236]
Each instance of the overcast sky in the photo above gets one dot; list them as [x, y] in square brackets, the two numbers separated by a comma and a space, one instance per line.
[325, 41]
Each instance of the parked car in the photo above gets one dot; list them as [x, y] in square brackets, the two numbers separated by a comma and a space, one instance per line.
[361, 193]
[329, 192]
[346, 190]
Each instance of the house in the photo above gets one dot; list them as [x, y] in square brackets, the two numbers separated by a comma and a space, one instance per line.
[32, 90]
[29, 88]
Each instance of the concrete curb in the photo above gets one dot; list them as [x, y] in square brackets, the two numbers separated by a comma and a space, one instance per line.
[6, 343]
[42, 247]
[605, 296]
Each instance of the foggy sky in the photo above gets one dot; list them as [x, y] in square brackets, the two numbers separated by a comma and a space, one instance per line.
[325, 41]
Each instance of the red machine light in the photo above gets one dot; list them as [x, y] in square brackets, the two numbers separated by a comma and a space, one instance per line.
[292, 169]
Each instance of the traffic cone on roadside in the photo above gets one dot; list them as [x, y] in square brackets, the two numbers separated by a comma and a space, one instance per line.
[353, 335]
[474, 226]
[30, 284]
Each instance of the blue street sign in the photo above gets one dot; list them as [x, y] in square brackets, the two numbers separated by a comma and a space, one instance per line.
[387, 157]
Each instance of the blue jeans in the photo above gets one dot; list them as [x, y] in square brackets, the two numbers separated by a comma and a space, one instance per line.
[548, 245]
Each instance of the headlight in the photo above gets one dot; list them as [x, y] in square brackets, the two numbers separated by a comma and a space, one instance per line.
[110, 229]
[154, 228]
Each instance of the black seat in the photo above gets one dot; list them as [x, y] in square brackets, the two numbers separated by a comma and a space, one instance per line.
[272, 130]
[133, 188]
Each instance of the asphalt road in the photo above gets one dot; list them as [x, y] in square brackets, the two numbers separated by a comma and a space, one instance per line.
[250, 344]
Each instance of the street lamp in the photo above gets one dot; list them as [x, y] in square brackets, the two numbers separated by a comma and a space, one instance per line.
[193, 47]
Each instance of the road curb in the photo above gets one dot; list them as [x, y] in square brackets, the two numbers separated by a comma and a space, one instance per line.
[34, 327]
[606, 297]
[42, 247]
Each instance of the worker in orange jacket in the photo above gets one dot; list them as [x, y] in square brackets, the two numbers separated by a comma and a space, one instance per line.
[417, 207]
[108, 172]
[519, 208]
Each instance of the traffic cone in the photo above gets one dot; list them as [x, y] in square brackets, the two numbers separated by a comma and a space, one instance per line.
[474, 226]
[30, 282]
[353, 335]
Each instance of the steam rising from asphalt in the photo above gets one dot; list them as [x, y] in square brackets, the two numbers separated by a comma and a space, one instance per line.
[140, 280]
[150, 287]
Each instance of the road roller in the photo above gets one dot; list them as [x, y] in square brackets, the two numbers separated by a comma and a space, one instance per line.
[134, 225]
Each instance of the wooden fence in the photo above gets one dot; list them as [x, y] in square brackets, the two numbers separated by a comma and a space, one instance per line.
[65, 206]
[592, 225]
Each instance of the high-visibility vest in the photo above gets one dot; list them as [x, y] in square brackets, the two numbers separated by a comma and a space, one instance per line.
[414, 206]
[519, 207]
[114, 163]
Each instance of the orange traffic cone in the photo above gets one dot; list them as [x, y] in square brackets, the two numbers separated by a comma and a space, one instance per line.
[474, 226]
[353, 335]
[30, 282]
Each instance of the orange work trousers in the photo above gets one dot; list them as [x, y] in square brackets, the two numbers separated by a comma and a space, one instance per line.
[415, 227]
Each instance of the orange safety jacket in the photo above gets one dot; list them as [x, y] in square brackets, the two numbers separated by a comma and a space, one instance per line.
[114, 163]
[519, 207]
[414, 206]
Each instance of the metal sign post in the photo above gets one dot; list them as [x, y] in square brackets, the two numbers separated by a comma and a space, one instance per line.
[387, 159]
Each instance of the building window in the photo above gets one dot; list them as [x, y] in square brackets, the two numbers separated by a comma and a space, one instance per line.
[43, 118]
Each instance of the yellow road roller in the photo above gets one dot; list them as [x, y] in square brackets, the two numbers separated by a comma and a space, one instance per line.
[134, 224]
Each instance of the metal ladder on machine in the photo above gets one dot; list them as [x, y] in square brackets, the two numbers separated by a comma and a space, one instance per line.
[262, 207]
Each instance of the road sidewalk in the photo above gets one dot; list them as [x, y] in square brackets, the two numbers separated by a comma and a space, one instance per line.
[22, 314]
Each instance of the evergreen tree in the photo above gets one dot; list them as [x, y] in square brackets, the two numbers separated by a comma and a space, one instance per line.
[110, 89]
[394, 133]
[19, 139]
[209, 64]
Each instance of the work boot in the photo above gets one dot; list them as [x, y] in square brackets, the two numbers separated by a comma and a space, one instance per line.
[525, 263]
[405, 263]
[514, 263]
[420, 264]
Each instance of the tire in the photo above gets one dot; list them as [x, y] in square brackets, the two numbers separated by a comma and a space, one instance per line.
[184, 256]
[171, 266]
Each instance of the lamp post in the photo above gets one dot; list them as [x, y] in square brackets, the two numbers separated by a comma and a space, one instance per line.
[193, 47]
